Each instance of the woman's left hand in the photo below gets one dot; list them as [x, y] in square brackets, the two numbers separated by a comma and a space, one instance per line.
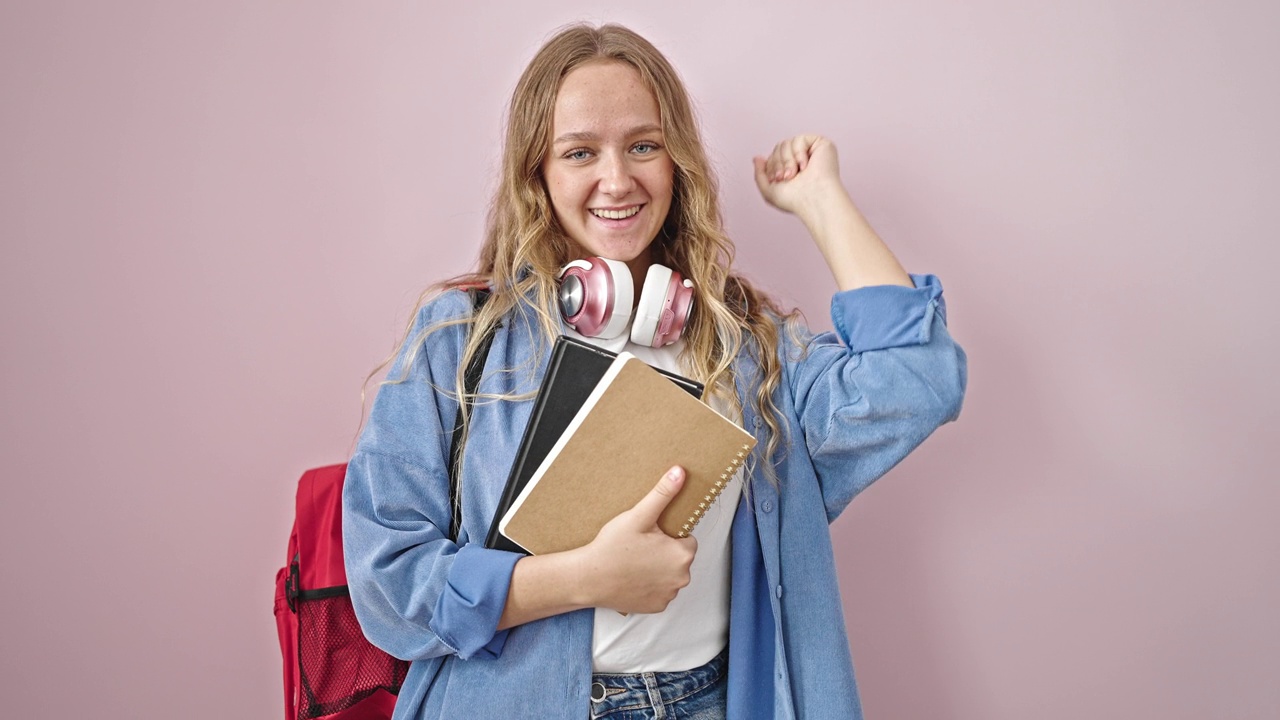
[800, 172]
[802, 176]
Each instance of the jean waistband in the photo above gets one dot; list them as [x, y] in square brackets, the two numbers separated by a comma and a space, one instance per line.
[613, 691]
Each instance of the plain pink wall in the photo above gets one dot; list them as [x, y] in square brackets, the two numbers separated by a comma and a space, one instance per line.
[217, 216]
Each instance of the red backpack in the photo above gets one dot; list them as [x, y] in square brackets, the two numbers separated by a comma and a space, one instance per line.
[331, 671]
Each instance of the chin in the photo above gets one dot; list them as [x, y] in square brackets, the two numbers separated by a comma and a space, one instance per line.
[624, 251]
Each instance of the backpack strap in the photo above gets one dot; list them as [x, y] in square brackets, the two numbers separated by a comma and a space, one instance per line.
[479, 296]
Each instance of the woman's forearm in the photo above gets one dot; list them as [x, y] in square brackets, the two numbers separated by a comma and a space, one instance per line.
[854, 252]
[542, 586]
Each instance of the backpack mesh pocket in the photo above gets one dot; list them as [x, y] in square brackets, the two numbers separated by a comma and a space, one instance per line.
[337, 666]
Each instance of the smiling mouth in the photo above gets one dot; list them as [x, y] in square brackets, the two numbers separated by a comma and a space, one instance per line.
[616, 214]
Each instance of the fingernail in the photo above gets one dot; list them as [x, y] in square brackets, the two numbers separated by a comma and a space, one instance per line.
[674, 474]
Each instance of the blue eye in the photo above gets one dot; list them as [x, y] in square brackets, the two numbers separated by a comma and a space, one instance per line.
[645, 148]
[579, 154]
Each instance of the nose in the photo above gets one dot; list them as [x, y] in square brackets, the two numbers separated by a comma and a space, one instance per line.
[616, 179]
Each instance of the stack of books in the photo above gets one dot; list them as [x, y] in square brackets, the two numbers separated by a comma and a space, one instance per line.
[604, 429]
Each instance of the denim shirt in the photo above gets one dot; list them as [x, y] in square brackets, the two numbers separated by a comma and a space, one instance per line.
[855, 402]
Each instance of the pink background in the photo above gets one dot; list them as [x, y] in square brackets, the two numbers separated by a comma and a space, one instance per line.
[217, 216]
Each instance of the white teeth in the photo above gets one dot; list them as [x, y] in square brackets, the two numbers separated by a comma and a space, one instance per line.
[616, 214]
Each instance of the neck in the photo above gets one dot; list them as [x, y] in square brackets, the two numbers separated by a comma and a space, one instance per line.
[639, 268]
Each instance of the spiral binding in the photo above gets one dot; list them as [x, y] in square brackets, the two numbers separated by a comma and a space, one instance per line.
[715, 491]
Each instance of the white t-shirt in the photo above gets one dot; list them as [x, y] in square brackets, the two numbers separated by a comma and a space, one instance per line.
[695, 625]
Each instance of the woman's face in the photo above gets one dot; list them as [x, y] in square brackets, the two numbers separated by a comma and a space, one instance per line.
[608, 172]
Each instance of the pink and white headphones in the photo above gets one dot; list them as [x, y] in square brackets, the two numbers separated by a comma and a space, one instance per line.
[596, 295]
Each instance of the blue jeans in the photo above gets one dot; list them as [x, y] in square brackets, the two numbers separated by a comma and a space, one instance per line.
[697, 694]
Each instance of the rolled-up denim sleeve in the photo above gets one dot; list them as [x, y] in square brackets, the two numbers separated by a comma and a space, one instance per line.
[885, 316]
[468, 610]
[870, 393]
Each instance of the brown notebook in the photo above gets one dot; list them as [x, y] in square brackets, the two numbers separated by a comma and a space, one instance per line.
[635, 425]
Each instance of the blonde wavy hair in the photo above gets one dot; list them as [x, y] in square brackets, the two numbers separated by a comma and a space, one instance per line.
[525, 247]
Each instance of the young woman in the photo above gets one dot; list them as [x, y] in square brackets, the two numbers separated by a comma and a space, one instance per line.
[603, 159]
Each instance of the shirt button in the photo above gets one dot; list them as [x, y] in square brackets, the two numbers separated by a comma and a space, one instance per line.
[779, 592]
[757, 422]
[767, 506]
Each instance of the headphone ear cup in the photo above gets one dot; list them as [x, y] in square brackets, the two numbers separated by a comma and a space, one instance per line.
[666, 303]
[596, 296]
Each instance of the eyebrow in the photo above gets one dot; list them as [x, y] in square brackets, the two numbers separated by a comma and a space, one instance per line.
[588, 136]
